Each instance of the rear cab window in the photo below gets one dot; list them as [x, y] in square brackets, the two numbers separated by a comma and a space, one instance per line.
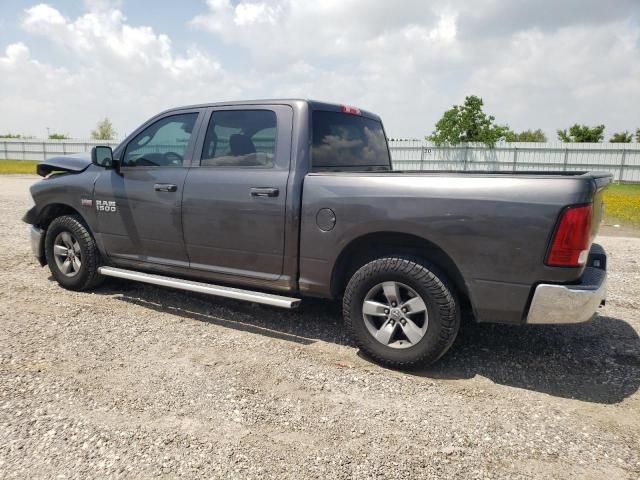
[347, 142]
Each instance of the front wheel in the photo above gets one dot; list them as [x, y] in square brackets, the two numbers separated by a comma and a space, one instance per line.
[401, 313]
[72, 253]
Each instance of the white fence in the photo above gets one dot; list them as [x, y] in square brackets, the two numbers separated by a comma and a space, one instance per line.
[17, 149]
[621, 159]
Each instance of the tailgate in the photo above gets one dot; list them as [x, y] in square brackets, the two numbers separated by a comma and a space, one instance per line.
[601, 181]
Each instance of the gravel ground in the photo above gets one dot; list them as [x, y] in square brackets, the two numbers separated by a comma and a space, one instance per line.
[136, 381]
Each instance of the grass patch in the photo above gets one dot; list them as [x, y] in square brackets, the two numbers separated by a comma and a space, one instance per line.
[18, 166]
[622, 204]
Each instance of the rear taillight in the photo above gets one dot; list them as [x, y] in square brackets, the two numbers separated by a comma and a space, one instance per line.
[350, 110]
[572, 238]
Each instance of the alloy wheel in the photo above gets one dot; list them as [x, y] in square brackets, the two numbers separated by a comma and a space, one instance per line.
[395, 314]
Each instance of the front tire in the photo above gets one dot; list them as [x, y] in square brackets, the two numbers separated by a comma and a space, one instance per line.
[72, 254]
[401, 312]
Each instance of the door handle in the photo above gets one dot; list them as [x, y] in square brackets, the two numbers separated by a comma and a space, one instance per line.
[165, 187]
[264, 192]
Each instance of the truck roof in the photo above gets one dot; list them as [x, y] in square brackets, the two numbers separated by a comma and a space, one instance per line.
[313, 105]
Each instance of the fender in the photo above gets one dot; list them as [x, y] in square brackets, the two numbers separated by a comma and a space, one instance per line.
[66, 194]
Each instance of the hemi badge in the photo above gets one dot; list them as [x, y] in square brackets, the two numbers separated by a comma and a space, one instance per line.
[86, 202]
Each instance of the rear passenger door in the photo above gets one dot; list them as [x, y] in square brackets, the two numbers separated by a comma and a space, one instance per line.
[233, 209]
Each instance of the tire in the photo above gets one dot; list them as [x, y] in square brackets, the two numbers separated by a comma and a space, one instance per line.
[78, 268]
[420, 334]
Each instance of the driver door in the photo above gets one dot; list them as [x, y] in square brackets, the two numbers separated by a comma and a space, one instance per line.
[139, 207]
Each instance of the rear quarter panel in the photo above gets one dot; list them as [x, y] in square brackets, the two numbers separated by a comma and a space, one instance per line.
[495, 228]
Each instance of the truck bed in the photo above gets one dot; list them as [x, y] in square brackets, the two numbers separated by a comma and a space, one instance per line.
[495, 227]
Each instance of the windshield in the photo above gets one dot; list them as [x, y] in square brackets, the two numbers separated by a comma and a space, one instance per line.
[343, 141]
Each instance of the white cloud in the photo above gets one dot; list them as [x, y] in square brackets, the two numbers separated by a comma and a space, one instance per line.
[43, 16]
[575, 74]
[446, 29]
[125, 72]
[408, 61]
[15, 53]
[248, 14]
[273, 30]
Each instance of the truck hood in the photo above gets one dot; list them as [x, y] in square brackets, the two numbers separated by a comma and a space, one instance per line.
[75, 163]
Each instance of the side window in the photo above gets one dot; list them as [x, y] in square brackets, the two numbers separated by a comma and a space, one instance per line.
[163, 143]
[240, 138]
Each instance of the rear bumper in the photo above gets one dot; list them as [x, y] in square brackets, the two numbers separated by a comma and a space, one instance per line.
[554, 304]
[36, 237]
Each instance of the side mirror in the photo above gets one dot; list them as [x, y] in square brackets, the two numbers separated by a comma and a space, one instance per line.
[102, 156]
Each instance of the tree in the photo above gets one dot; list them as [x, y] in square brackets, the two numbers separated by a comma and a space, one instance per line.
[468, 123]
[526, 136]
[638, 135]
[58, 136]
[621, 137]
[104, 130]
[16, 136]
[582, 134]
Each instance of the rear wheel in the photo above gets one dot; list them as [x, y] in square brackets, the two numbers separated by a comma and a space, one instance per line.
[401, 312]
[72, 254]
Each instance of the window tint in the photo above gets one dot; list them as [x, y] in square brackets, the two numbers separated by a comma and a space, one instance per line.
[162, 143]
[240, 138]
[342, 140]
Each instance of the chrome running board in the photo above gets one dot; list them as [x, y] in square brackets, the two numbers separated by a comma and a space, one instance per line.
[199, 287]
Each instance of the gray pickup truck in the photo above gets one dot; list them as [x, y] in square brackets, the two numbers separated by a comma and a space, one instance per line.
[269, 201]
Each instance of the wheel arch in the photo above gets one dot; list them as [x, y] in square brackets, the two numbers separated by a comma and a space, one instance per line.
[370, 246]
[51, 211]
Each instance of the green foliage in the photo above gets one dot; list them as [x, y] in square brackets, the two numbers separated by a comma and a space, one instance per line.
[638, 135]
[468, 123]
[16, 136]
[58, 136]
[582, 134]
[104, 130]
[526, 136]
[621, 137]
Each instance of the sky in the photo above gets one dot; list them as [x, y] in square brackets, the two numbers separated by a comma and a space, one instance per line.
[545, 64]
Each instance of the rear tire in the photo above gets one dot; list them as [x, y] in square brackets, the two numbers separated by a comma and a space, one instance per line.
[401, 312]
[72, 254]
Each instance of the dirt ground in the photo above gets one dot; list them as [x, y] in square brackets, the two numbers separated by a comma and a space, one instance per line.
[135, 381]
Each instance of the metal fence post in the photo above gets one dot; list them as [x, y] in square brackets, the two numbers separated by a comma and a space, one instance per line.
[566, 159]
[23, 153]
[466, 156]
[624, 156]
[64, 148]
[44, 150]
[422, 157]
[515, 158]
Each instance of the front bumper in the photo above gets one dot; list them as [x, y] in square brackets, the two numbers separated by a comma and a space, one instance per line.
[553, 304]
[36, 236]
